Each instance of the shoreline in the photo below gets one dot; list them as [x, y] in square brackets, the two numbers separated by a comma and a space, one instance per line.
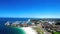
[29, 30]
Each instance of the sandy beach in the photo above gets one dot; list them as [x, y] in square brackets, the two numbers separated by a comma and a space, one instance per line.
[29, 30]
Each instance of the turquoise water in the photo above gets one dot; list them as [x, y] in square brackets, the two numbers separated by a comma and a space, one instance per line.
[11, 30]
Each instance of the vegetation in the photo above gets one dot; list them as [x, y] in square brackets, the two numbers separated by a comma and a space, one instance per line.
[56, 32]
[39, 31]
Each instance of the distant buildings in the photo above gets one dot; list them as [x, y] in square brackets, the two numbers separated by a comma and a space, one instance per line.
[16, 24]
[7, 23]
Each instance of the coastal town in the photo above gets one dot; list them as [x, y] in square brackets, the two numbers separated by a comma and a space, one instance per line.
[41, 26]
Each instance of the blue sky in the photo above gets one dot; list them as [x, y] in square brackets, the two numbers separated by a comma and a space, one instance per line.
[30, 8]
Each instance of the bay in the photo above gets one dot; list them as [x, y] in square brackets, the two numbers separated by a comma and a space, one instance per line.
[11, 30]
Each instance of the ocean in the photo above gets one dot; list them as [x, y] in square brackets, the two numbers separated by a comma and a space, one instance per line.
[11, 30]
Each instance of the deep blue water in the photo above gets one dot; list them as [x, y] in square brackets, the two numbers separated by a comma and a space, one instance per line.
[10, 30]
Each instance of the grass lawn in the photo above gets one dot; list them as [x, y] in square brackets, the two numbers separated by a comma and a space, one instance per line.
[56, 32]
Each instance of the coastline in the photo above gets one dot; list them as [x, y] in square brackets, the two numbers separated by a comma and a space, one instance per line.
[28, 30]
